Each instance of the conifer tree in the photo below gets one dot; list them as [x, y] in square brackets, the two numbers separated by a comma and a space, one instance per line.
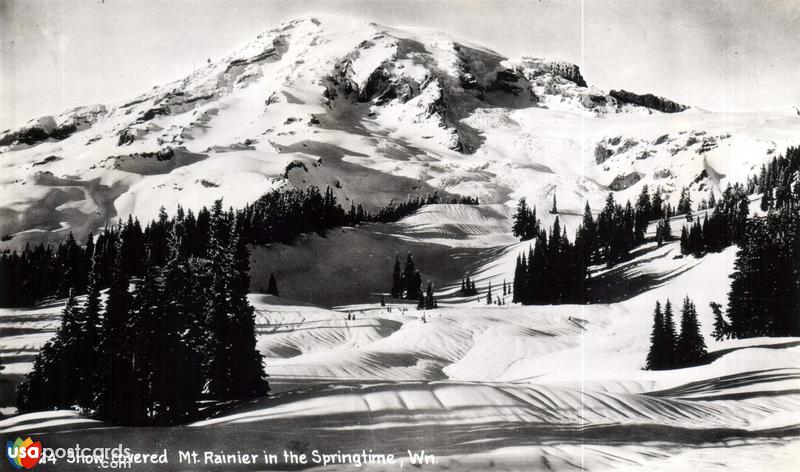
[415, 285]
[148, 341]
[691, 348]
[219, 367]
[247, 366]
[178, 384]
[489, 294]
[554, 210]
[429, 299]
[89, 353]
[397, 279]
[589, 234]
[655, 357]
[721, 328]
[670, 336]
[114, 404]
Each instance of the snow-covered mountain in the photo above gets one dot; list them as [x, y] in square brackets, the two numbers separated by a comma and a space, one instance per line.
[376, 113]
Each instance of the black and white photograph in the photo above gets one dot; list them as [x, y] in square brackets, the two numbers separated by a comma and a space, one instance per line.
[386, 235]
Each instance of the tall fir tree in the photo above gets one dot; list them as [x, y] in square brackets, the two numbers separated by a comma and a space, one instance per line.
[670, 336]
[691, 347]
[247, 365]
[397, 279]
[655, 356]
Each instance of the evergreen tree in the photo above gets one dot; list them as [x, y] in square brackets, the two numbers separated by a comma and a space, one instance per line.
[247, 366]
[684, 241]
[642, 215]
[657, 205]
[415, 285]
[489, 294]
[520, 278]
[147, 339]
[521, 219]
[670, 336]
[114, 404]
[691, 347]
[178, 383]
[429, 298]
[721, 329]
[766, 200]
[397, 279]
[219, 368]
[554, 210]
[89, 353]
[655, 357]
[590, 236]
[412, 290]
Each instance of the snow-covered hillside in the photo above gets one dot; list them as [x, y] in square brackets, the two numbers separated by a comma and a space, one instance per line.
[521, 388]
[376, 113]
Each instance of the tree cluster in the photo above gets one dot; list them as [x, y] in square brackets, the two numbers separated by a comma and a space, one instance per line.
[45, 271]
[669, 350]
[726, 225]
[764, 299]
[180, 329]
[526, 225]
[427, 301]
[406, 281]
[553, 272]
[777, 182]
[468, 287]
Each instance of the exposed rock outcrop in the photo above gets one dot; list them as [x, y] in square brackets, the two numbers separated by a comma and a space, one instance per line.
[648, 100]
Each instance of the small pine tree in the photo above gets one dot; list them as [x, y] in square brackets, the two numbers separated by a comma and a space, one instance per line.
[666, 229]
[554, 210]
[721, 328]
[489, 294]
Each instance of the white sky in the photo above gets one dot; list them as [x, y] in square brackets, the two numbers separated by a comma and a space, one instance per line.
[721, 55]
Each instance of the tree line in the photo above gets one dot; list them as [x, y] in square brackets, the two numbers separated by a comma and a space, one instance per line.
[616, 230]
[44, 271]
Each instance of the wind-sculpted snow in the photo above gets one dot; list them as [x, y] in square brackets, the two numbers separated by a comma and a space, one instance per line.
[478, 385]
[460, 225]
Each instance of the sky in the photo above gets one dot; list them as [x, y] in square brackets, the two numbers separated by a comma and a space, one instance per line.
[721, 55]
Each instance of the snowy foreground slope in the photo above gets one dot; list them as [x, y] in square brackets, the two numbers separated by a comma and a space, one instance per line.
[376, 113]
[506, 388]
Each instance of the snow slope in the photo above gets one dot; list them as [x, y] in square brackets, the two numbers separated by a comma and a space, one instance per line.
[377, 113]
[519, 388]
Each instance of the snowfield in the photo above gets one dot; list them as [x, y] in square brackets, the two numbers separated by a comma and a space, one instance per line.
[376, 113]
[506, 387]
